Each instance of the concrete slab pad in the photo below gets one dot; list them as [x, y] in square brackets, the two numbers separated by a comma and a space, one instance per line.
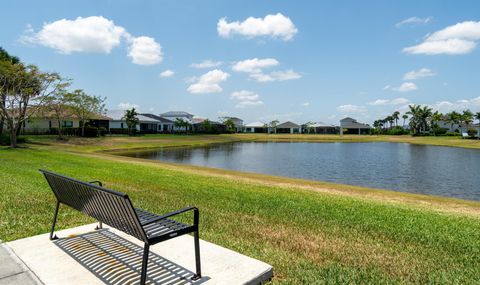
[85, 256]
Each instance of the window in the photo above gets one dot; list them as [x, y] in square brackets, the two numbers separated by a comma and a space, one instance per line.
[67, 124]
[121, 125]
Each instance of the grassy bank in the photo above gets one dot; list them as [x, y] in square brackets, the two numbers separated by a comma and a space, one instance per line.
[310, 232]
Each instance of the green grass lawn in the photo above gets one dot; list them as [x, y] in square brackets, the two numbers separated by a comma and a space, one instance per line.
[308, 236]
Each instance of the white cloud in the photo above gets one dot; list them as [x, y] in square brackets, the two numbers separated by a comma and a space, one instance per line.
[275, 76]
[127, 106]
[254, 65]
[351, 109]
[306, 104]
[387, 87]
[246, 98]
[413, 21]
[460, 38]
[406, 87]
[382, 102]
[167, 73]
[209, 82]
[417, 74]
[459, 105]
[206, 64]
[145, 51]
[274, 26]
[94, 34]
[255, 68]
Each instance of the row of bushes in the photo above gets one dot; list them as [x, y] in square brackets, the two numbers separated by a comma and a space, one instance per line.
[5, 139]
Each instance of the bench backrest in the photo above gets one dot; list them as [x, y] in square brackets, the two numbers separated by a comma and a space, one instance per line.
[110, 207]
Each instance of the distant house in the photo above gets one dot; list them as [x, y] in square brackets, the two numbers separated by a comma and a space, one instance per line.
[198, 126]
[174, 115]
[321, 128]
[118, 125]
[256, 127]
[237, 122]
[288, 128]
[164, 125]
[459, 128]
[351, 126]
[45, 122]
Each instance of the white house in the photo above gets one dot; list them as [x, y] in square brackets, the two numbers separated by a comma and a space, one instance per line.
[164, 125]
[174, 115]
[145, 124]
[255, 127]
[351, 126]
[237, 122]
[321, 128]
[289, 128]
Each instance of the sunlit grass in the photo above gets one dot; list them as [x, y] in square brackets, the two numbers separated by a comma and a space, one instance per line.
[353, 235]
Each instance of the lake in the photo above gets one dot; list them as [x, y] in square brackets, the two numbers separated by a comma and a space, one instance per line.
[432, 170]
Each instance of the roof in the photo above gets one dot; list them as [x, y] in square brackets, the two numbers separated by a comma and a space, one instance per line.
[355, 125]
[68, 113]
[198, 121]
[322, 125]
[117, 115]
[158, 118]
[255, 125]
[287, 125]
[176, 114]
[348, 119]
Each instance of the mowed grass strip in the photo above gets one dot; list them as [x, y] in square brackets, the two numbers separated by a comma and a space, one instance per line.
[308, 237]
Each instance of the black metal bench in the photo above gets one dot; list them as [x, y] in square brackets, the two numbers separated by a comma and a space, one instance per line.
[116, 210]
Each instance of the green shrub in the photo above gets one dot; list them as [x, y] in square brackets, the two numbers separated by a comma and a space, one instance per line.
[5, 139]
[472, 133]
[91, 132]
[452, 134]
[102, 131]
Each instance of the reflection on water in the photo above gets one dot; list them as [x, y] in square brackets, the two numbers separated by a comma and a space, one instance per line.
[444, 171]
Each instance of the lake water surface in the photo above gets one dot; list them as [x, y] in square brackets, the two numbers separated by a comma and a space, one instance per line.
[433, 170]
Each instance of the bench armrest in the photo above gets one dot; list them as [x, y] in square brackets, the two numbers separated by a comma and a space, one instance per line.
[96, 181]
[174, 213]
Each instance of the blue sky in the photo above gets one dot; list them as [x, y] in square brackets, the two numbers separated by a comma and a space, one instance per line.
[292, 60]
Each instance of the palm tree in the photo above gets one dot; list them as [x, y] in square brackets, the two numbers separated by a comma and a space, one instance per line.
[131, 119]
[477, 116]
[395, 116]
[437, 116]
[467, 117]
[405, 117]
[453, 118]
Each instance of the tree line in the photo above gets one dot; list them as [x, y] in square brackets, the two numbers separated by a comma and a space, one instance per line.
[423, 120]
[26, 91]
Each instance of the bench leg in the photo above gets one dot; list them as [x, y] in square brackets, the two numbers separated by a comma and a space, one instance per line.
[52, 236]
[99, 226]
[146, 250]
[196, 240]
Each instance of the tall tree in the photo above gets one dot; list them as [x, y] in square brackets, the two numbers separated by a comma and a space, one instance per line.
[5, 61]
[396, 116]
[85, 106]
[23, 92]
[453, 118]
[467, 117]
[229, 125]
[477, 116]
[404, 117]
[131, 118]
[57, 105]
[273, 124]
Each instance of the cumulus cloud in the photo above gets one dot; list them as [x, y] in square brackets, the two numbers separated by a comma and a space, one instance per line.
[413, 21]
[145, 51]
[417, 74]
[206, 64]
[254, 65]
[349, 108]
[460, 38]
[382, 102]
[167, 73]
[275, 76]
[94, 34]
[406, 87]
[255, 68]
[208, 82]
[459, 105]
[305, 104]
[274, 26]
[127, 106]
[246, 98]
